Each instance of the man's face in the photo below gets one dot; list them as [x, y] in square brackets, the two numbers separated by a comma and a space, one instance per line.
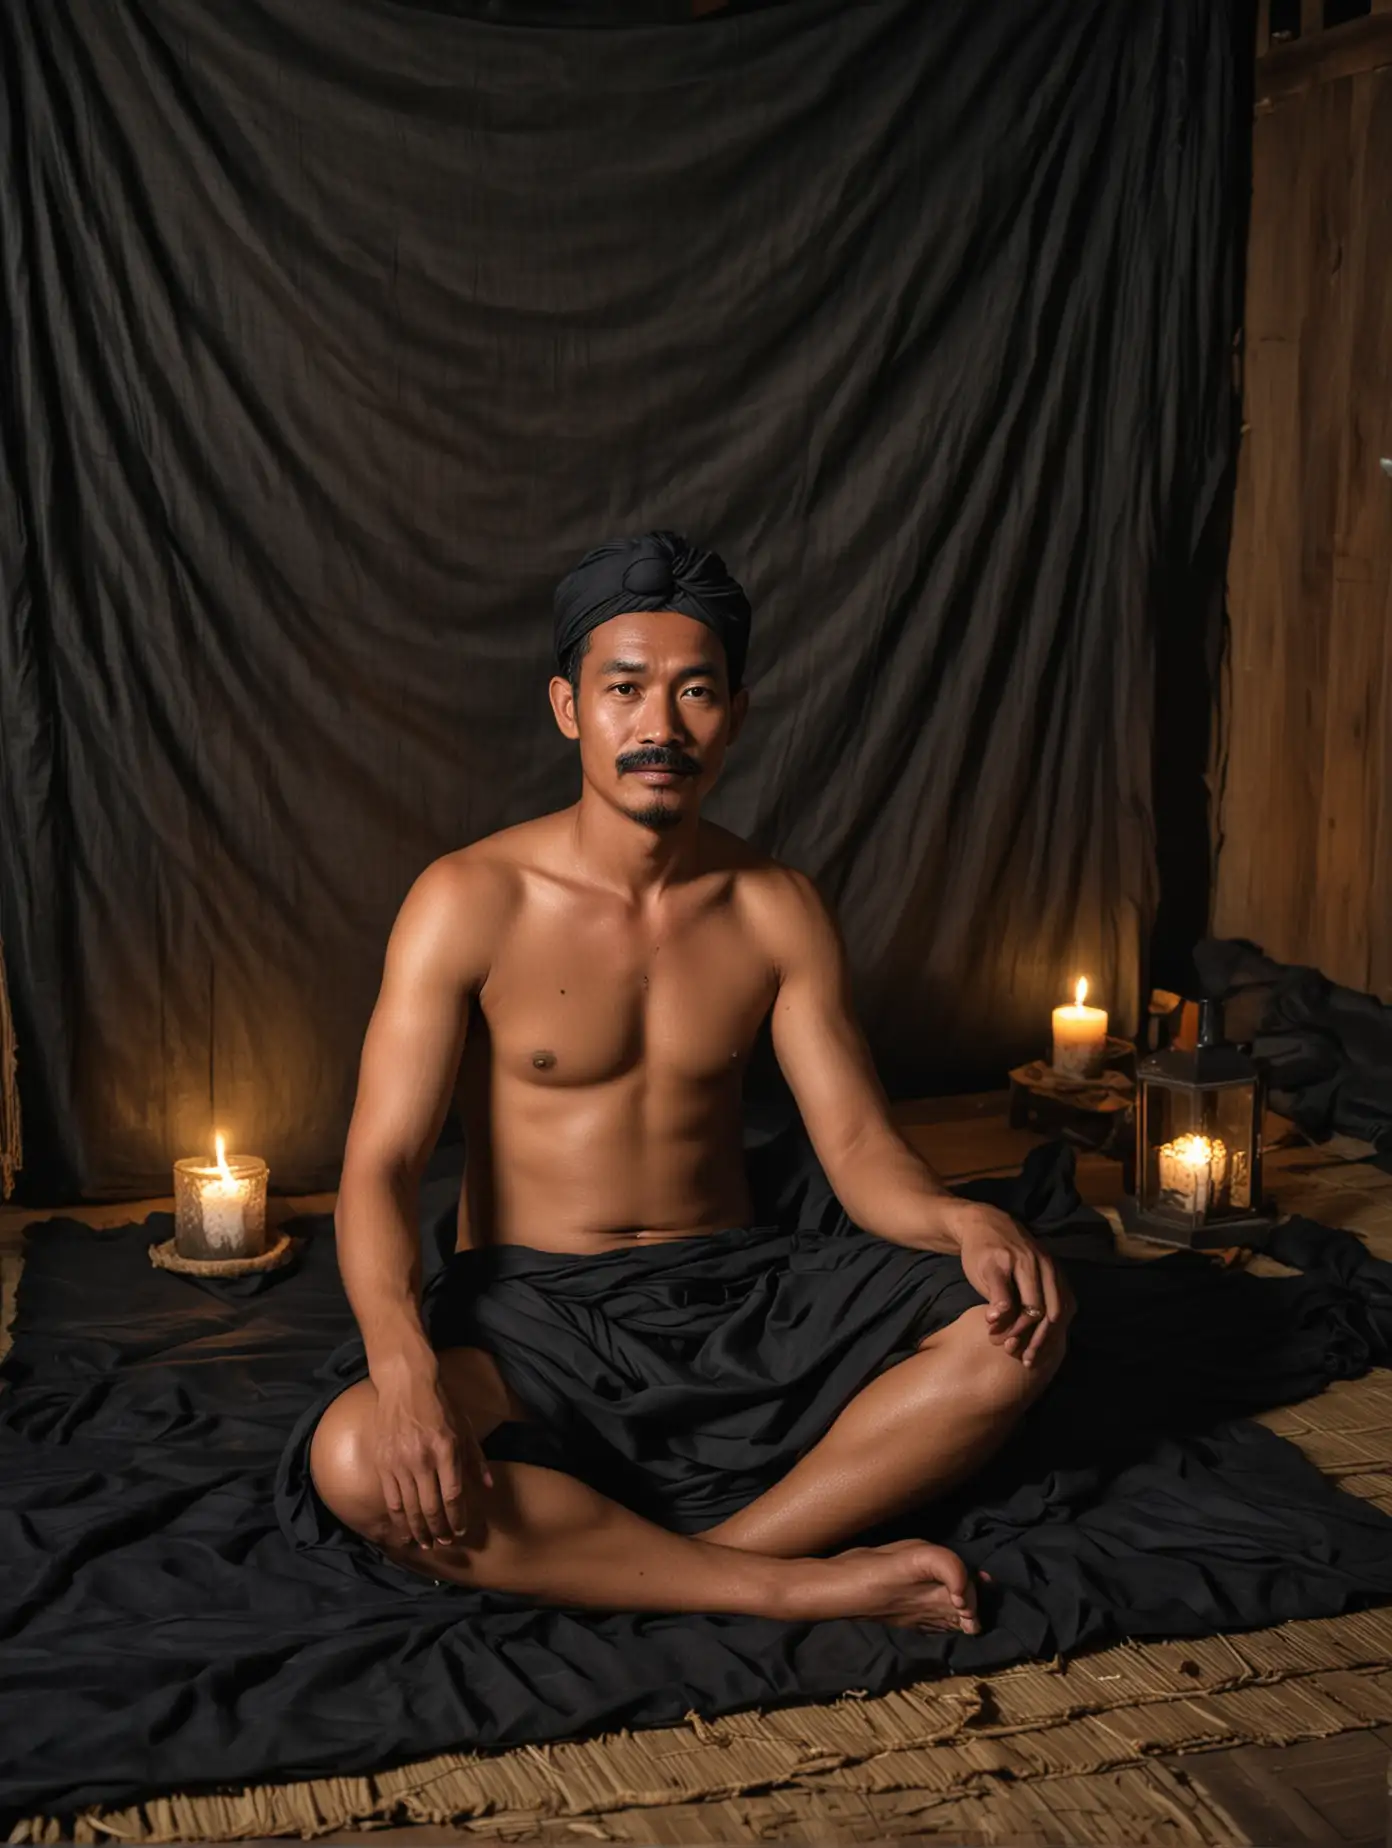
[653, 714]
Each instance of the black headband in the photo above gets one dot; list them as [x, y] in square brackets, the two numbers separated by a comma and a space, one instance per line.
[659, 571]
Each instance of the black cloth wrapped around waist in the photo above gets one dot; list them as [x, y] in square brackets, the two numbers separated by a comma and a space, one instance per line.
[684, 1377]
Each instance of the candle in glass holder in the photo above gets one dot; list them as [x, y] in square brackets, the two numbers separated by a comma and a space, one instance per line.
[220, 1207]
[1192, 1170]
[1080, 1037]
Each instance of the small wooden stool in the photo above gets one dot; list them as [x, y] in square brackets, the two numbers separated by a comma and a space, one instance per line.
[1095, 1112]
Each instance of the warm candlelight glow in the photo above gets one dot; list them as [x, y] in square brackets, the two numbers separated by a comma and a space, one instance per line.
[220, 1209]
[1193, 1170]
[1080, 1036]
[1194, 1151]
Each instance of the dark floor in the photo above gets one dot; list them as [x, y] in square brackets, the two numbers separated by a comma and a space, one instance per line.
[1328, 1790]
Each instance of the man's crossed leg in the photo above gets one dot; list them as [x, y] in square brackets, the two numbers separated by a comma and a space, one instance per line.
[909, 1436]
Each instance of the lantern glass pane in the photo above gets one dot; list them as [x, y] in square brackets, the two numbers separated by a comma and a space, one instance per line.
[1169, 1114]
[1234, 1124]
[1200, 1159]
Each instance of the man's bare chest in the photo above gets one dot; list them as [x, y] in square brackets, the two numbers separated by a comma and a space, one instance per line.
[572, 1000]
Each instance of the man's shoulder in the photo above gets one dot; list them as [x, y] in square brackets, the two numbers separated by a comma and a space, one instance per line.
[459, 912]
[485, 884]
[776, 896]
[474, 880]
[496, 865]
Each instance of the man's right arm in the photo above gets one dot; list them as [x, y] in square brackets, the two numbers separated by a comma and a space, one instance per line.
[437, 959]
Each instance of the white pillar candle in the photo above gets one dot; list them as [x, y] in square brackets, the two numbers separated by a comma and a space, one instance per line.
[1192, 1170]
[223, 1205]
[220, 1208]
[1080, 1037]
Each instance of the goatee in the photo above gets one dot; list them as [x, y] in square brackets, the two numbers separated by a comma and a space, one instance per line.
[657, 816]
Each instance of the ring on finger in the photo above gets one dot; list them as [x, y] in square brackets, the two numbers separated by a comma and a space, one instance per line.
[1033, 1311]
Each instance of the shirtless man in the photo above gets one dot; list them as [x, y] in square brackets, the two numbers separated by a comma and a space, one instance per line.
[613, 963]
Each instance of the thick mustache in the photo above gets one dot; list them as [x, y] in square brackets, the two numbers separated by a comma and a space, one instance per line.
[658, 757]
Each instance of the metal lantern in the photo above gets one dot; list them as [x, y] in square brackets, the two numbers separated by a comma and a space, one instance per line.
[1198, 1178]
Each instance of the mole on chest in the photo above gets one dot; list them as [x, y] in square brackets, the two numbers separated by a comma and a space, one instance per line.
[590, 1029]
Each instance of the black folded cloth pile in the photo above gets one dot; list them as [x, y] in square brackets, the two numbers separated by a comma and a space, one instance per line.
[1326, 1050]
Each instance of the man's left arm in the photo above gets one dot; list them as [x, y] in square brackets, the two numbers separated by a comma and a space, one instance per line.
[886, 1187]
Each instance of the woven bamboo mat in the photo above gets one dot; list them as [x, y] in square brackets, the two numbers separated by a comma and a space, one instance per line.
[921, 1760]
[1061, 1752]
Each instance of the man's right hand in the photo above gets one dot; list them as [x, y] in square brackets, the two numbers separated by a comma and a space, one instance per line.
[430, 1463]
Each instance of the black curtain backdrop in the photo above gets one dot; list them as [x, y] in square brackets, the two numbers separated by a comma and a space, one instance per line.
[334, 332]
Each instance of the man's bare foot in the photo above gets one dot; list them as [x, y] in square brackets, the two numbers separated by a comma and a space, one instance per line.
[910, 1583]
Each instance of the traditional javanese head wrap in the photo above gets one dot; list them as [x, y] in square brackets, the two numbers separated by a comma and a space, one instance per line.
[659, 571]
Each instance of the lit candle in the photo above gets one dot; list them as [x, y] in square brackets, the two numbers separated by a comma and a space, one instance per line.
[224, 1204]
[220, 1210]
[1080, 1037]
[1192, 1171]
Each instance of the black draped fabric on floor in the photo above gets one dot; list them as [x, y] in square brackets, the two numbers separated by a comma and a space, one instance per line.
[1326, 1049]
[157, 1631]
[332, 333]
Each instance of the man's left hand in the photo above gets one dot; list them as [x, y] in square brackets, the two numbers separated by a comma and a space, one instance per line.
[1026, 1297]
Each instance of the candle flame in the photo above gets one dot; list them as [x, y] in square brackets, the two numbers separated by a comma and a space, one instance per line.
[223, 1168]
[1194, 1151]
[1080, 992]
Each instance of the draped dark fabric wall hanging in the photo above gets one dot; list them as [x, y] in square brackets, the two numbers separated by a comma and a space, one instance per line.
[334, 332]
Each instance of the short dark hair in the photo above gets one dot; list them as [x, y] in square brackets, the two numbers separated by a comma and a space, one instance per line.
[571, 659]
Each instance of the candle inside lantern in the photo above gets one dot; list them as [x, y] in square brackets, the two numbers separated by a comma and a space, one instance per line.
[1080, 1037]
[220, 1209]
[1193, 1170]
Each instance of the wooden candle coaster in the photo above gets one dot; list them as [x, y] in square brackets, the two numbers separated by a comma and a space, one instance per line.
[167, 1257]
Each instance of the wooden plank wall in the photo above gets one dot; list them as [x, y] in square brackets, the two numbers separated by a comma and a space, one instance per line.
[1304, 801]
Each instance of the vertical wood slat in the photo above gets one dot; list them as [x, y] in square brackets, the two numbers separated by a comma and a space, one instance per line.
[1265, 794]
[1353, 769]
[1311, 17]
[1321, 388]
[1305, 818]
[1324, 363]
[1372, 440]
